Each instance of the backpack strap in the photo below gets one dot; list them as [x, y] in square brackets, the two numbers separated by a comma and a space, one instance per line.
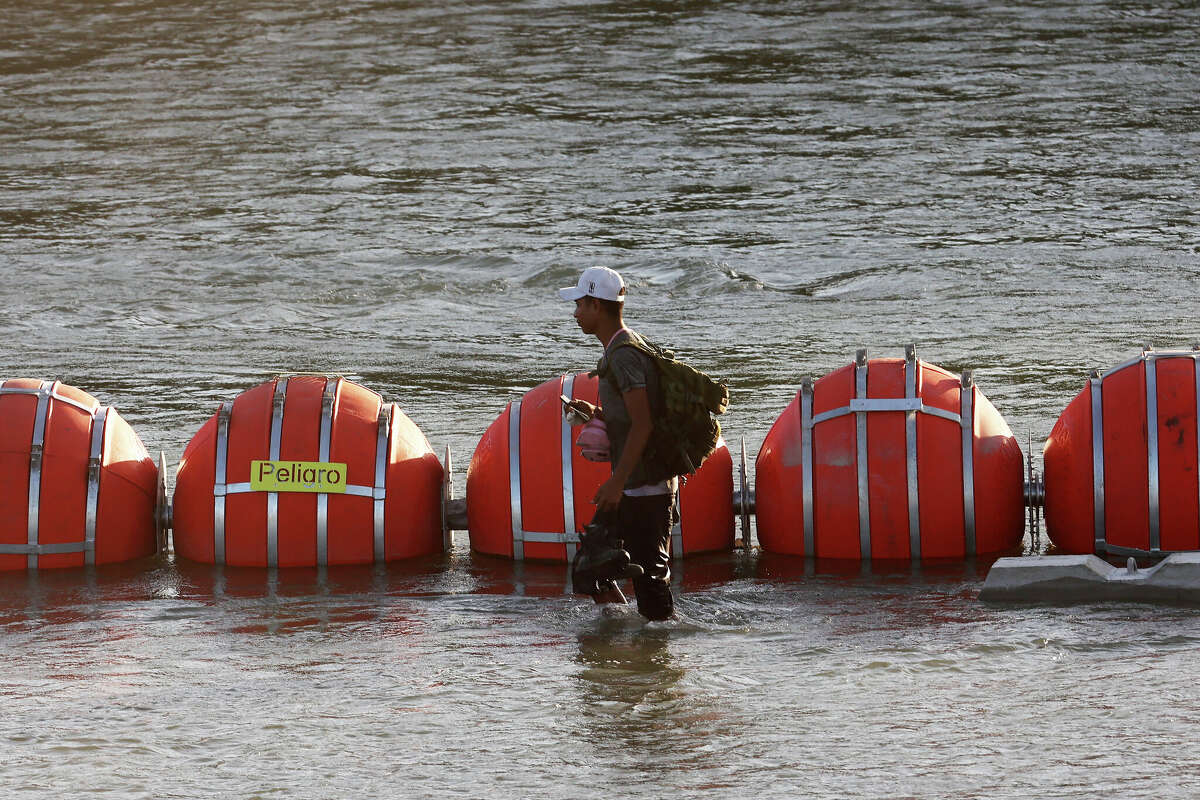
[653, 351]
[647, 347]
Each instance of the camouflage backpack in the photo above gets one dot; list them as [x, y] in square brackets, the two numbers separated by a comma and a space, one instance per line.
[685, 432]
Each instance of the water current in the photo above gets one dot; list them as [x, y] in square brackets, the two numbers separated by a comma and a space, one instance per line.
[197, 196]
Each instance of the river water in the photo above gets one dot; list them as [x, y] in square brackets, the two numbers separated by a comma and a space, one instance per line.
[196, 196]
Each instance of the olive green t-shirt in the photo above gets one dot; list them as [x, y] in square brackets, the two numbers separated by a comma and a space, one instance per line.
[630, 369]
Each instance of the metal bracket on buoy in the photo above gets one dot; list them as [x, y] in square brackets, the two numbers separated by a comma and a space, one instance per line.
[1035, 495]
[162, 506]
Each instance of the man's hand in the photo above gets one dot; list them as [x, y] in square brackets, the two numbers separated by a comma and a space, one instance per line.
[608, 496]
[584, 408]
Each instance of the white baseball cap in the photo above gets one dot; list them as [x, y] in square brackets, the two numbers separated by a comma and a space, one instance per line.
[600, 282]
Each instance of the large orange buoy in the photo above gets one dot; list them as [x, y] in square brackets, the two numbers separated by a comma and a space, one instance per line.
[78, 486]
[1121, 463]
[889, 459]
[308, 471]
[529, 490]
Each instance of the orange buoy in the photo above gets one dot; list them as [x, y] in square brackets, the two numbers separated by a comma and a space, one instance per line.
[529, 490]
[1120, 465]
[308, 471]
[889, 459]
[78, 485]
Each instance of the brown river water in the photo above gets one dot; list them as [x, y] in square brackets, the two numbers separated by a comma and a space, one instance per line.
[197, 196]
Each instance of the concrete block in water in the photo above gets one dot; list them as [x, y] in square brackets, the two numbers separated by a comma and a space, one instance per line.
[1074, 579]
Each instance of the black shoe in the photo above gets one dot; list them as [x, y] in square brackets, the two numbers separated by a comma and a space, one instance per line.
[599, 555]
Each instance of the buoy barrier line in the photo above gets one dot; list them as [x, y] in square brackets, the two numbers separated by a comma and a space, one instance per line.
[47, 395]
[911, 405]
[1149, 358]
[569, 537]
[376, 493]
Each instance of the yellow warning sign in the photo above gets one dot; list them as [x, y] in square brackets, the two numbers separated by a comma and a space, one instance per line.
[298, 476]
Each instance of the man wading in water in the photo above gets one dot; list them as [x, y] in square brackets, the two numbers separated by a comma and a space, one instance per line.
[630, 509]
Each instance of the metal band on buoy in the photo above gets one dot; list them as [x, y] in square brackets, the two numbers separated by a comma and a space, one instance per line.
[966, 419]
[860, 431]
[911, 405]
[1152, 453]
[514, 478]
[1196, 371]
[328, 401]
[95, 464]
[806, 455]
[376, 493]
[278, 401]
[220, 489]
[1149, 357]
[1096, 386]
[45, 393]
[1097, 460]
[568, 475]
[912, 377]
[569, 537]
[379, 493]
[35, 468]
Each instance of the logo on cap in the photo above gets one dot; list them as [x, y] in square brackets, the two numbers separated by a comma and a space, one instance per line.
[591, 286]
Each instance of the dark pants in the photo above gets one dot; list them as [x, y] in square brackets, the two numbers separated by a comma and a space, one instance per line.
[644, 524]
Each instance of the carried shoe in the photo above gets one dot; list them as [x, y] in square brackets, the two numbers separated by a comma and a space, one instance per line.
[602, 590]
[599, 555]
